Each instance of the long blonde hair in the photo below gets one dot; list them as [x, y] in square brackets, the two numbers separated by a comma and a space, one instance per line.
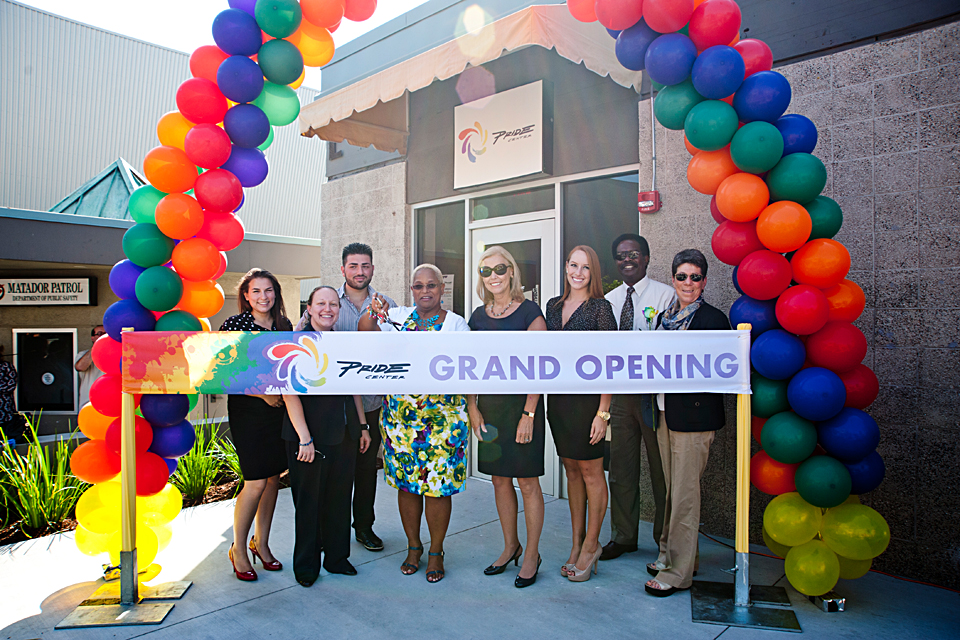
[516, 288]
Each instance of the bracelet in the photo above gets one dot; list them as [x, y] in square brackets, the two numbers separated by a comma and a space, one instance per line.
[305, 444]
[530, 414]
[364, 426]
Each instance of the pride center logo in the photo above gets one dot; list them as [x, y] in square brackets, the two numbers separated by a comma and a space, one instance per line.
[474, 141]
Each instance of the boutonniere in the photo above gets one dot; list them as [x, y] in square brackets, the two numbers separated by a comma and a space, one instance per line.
[650, 314]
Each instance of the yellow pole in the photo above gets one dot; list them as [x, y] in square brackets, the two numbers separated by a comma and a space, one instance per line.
[742, 540]
[128, 501]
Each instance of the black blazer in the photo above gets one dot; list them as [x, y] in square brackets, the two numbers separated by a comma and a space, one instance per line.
[326, 419]
[697, 411]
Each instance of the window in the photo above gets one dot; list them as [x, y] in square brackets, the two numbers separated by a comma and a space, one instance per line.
[440, 232]
[508, 204]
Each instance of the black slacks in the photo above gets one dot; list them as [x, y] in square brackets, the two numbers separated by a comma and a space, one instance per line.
[321, 499]
[365, 477]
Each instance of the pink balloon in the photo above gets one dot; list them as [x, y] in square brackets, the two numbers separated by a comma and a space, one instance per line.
[619, 14]
[667, 16]
[223, 229]
[207, 146]
[218, 190]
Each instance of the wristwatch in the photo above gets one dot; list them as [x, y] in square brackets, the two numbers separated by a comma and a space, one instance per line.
[530, 414]
[604, 415]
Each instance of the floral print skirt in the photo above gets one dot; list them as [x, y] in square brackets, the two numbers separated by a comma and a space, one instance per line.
[425, 443]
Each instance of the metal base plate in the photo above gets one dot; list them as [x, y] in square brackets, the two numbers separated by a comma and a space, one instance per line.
[830, 602]
[115, 615]
[712, 603]
[110, 593]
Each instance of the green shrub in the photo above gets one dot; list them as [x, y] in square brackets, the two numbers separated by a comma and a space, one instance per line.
[230, 461]
[200, 467]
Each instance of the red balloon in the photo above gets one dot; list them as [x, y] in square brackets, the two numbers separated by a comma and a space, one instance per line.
[223, 266]
[756, 427]
[734, 241]
[770, 476]
[94, 462]
[821, 263]
[715, 212]
[223, 229]
[802, 309]
[359, 10]
[143, 435]
[106, 354]
[207, 146]
[846, 299]
[764, 275]
[582, 10]
[756, 55]
[200, 100]
[862, 386]
[667, 16]
[839, 346]
[218, 190]
[205, 61]
[323, 13]
[105, 394]
[152, 474]
[196, 259]
[714, 22]
[619, 14]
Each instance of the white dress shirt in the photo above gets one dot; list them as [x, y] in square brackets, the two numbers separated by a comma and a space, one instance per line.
[646, 293]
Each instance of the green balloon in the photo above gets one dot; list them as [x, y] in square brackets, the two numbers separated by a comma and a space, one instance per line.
[799, 177]
[710, 125]
[855, 531]
[280, 61]
[280, 103]
[756, 147]
[194, 399]
[656, 85]
[779, 550]
[278, 18]
[143, 202]
[769, 396]
[826, 215]
[146, 246]
[177, 320]
[159, 289]
[267, 142]
[788, 438]
[812, 568]
[823, 481]
[673, 103]
[853, 569]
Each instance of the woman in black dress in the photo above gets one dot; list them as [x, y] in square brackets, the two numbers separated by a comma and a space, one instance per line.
[579, 422]
[513, 424]
[255, 423]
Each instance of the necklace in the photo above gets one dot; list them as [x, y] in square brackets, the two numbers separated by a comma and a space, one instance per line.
[425, 323]
[497, 315]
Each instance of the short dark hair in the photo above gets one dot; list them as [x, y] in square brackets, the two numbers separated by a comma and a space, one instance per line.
[640, 240]
[356, 248]
[689, 256]
[93, 331]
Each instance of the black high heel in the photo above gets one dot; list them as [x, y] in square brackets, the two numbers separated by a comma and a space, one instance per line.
[520, 583]
[494, 570]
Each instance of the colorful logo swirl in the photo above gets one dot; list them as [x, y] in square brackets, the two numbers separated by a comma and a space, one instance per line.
[300, 364]
[474, 141]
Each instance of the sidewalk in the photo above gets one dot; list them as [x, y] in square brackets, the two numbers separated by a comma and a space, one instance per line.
[43, 580]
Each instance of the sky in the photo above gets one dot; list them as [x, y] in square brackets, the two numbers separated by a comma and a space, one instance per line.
[184, 25]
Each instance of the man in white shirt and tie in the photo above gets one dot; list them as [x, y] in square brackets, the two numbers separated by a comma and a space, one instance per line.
[636, 304]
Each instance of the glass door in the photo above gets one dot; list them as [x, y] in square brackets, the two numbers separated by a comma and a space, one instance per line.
[533, 246]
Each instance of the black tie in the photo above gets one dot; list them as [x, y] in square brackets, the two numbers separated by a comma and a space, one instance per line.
[626, 315]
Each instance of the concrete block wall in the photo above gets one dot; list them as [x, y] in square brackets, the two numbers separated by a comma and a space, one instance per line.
[888, 116]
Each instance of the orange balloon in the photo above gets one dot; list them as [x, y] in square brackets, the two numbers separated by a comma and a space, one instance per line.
[179, 216]
[821, 263]
[94, 462]
[783, 226]
[707, 169]
[742, 196]
[92, 423]
[172, 129]
[325, 13]
[316, 44]
[846, 300]
[203, 299]
[196, 259]
[205, 323]
[690, 148]
[169, 169]
[299, 81]
[735, 40]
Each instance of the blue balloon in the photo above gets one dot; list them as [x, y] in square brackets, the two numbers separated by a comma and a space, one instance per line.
[164, 410]
[247, 125]
[173, 442]
[670, 58]
[249, 165]
[240, 79]
[718, 72]
[243, 5]
[799, 133]
[816, 394]
[736, 283]
[777, 354]
[763, 96]
[127, 313]
[866, 475]
[632, 44]
[849, 436]
[123, 279]
[171, 464]
[236, 32]
[613, 33]
[762, 314]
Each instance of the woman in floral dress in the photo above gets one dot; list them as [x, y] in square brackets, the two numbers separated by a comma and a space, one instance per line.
[424, 436]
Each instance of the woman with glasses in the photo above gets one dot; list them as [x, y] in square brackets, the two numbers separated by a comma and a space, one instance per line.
[579, 422]
[424, 436]
[510, 428]
[687, 425]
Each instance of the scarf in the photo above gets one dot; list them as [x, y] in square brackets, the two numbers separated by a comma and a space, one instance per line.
[676, 319]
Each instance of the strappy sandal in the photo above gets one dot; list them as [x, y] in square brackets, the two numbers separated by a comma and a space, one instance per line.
[413, 568]
[440, 573]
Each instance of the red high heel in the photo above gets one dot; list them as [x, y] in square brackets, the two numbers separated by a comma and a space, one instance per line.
[276, 565]
[246, 576]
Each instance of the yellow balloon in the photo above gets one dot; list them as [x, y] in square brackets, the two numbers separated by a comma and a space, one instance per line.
[791, 520]
[855, 531]
[97, 510]
[172, 129]
[160, 508]
[812, 568]
[299, 81]
[853, 569]
[147, 545]
[778, 549]
[164, 535]
[90, 543]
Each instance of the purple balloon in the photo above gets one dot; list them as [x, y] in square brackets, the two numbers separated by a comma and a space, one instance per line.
[247, 125]
[240, 79]
[236, 32]
[243, 5]
[670, 58]
[249, 165]
[171, 464]
[127, 313]
[123, 279]
[163, 409]
[173, 442]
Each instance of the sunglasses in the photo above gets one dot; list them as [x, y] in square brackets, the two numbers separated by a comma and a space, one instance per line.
[430, 286]
[500, 270]
[98, 334]
[628, 255]
[695, 277]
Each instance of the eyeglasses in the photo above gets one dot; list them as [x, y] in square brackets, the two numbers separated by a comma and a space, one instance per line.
[628, 255]
[98, 334]
[500, 270]
[430, 286]
[695, 277]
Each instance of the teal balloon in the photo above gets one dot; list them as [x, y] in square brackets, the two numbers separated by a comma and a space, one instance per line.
[280, 61]
[280, 103]
[143, 202]
[266, 143]
[756, 147]
[710, 125]
[822, 481]
[673, 103]
[656, 85]
[788, 438]
[178, 320]
[278, 18]
[799, 177]
[826, 215]
[159, 289]
[146, 246]
[194, 399]
[769, 396]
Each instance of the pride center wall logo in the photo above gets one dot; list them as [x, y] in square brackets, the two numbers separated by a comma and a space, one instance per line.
[474, 141]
